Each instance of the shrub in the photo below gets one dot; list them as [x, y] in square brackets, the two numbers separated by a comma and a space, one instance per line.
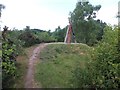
[8, 61]
[106, 63]
[28, 38]
[11, 47]
[102, 70]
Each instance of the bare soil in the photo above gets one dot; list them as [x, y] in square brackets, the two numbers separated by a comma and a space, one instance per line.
[34, 57]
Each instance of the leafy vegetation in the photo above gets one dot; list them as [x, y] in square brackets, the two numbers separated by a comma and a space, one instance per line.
[14, 60]
[8, 61]
[35, 36]
[11, 48]
[59, 34]
[106, 60]
[103, 67]
[86, 29]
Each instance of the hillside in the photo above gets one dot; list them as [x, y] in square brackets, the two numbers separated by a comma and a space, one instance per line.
[57, 63]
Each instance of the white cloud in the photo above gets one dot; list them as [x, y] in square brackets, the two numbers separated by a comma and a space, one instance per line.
[108, 14]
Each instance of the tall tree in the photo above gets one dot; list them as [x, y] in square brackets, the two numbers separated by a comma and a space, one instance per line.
[85, 27]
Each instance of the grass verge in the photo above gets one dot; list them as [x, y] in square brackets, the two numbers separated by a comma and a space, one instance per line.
[57, 63]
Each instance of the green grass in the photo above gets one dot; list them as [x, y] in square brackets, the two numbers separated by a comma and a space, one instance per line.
[57, 63]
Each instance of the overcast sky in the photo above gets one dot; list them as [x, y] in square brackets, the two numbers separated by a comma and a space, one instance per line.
[49, 14]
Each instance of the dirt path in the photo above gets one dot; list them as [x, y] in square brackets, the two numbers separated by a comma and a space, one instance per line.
[33, 58]
[29, 82]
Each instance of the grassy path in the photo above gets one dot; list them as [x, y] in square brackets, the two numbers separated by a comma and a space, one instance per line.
[51, 66]
[22, 67]
[29, 82]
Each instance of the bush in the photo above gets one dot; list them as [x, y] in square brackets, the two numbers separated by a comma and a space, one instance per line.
[106, 63]
[13, 36]
[44, 37]
[102, 70]
[28, 38]
[8, 62]
[11, 48]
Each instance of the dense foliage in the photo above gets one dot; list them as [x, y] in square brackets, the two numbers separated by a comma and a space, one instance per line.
[8, 58]
[35, 36]
[9, 54]
[13, 36]
[106, 59]
[28, 38]
[59, 34]
[87, 30]
[103, 69]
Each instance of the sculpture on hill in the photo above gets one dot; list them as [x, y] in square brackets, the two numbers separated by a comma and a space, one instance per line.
[70, 35]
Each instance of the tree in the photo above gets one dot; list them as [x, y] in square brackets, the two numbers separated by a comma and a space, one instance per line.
[59, 34]
[85, 27]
